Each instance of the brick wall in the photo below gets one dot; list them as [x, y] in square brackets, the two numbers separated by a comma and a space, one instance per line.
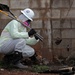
[53, 18]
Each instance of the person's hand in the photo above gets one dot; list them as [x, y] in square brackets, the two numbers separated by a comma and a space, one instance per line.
[36, 37]
[31, 32]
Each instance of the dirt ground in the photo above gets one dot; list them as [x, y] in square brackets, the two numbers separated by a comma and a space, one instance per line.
[15, 71]
[19, 72]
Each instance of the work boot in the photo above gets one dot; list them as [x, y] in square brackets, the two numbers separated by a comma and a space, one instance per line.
[17, 56]
[6, 59]
[11, 59]
[20, 65]
[34, 59]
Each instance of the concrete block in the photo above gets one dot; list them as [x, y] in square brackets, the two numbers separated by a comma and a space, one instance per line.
[6, 2]
[56, 33]
[65, 3]
[35, 4]
[39, 3]
[46, 43]
[67, 44]
[73, 3]
[56, 4]
[20, 4]
[73, 44]
[3, 23]
[55, 13]
[3, 16]
[36, 24]
[49, 41]
[64, 43]
[16, 12]
[44, 13]
[37, 13]
[55, 23]
[73, 23]
[60, 4]
[71, 13]
[64, 53]
[47, 24]
[61, 49]
[45, 3]
[47, 34]
[66, 24]
[68, 33]
[64, 13]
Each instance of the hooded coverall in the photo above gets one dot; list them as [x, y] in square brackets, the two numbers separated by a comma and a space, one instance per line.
[15, 37]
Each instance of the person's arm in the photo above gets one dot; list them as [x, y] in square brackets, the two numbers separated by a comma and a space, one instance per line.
[14, 32]
[31, 41]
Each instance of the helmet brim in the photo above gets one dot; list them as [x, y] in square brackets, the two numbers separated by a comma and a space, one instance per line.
[26, 15]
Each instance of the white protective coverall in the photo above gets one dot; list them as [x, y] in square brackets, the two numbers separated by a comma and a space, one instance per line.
[15, 37]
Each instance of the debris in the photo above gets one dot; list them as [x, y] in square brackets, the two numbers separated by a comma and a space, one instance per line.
[58, 41]
[2, 69]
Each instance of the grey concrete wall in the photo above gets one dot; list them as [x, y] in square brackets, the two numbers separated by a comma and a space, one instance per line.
[53, 18]
[63, 26]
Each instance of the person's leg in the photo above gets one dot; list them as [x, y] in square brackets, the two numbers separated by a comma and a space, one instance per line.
[17, 45]
[28, 51]
[10, 45]
[19, 49]
[13, 50]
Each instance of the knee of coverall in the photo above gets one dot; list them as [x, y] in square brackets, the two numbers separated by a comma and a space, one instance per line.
[28, 53]
[20, 45]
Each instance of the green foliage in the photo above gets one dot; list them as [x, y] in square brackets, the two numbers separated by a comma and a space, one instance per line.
[1, 64]
[5, 65]
[40, 68]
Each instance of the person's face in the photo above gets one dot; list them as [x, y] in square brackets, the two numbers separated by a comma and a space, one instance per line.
[25, 20]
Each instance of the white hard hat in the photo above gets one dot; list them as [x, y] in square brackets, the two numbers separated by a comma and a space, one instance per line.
[28, 13]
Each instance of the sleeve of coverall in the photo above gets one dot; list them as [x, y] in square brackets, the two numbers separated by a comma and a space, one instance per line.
[14, 30]
[31, 41]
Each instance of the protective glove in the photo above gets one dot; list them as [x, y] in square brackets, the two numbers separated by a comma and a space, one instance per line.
[36, 37]
[31, 32]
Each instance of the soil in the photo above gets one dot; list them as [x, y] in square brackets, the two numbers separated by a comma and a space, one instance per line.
[19, 72]
[30, 71]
